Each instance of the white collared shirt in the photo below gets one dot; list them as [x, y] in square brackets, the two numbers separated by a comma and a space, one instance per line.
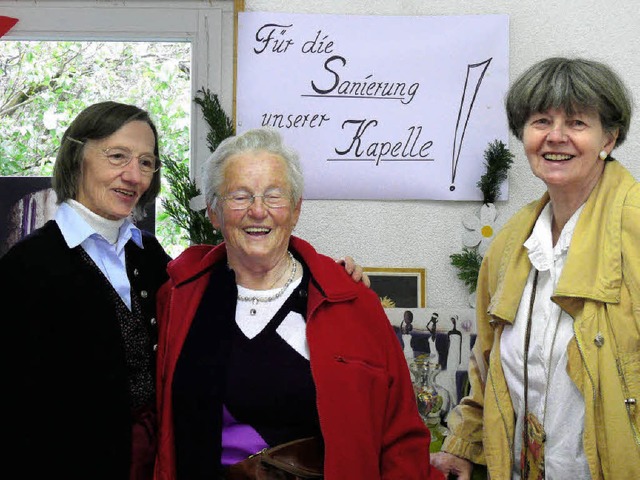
[110, 258]
[564, 414]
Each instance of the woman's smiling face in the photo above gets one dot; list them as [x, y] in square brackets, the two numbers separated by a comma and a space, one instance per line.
[258, 232]
[109, 191]
[563, 150]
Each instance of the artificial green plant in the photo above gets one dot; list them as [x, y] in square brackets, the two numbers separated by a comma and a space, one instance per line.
[183, 189]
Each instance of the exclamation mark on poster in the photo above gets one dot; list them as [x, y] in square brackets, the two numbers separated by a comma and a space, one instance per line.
[475, 74]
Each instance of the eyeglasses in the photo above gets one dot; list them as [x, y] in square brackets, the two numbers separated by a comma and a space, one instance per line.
[120, 157]
[241, 200]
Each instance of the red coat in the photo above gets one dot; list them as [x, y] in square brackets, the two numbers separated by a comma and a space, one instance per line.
[366, 405]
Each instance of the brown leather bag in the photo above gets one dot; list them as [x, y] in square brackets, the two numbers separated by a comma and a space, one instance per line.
[301, 459]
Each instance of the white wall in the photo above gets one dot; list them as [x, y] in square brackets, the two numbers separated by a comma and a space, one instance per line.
[425, 233]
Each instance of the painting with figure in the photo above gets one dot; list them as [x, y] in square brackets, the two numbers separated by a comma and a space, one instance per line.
[445, 335]
[27, 203]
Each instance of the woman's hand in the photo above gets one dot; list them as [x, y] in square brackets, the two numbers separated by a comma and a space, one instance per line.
[452, 466]
[355, 270]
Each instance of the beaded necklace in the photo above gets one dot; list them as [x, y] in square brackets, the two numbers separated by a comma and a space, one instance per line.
[255, 299]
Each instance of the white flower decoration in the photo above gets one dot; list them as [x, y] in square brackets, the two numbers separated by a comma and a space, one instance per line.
[481, 229]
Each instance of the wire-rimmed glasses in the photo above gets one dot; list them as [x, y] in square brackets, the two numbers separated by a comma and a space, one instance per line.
[120, 157]
[242, 200]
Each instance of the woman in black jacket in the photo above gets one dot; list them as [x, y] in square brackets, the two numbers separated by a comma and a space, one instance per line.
[80, 343]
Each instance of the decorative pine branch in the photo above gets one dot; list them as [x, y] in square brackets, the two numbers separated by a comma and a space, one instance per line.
[176, 205]
[220, 124]
[183, 189]
[468, 265]
[498, 160]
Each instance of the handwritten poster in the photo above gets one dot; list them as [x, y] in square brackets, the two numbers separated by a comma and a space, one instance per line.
[379, 107]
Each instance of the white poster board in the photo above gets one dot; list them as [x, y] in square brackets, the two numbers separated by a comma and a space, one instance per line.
[379, 107]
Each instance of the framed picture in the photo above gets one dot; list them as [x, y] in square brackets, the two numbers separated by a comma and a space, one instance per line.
[399, 287]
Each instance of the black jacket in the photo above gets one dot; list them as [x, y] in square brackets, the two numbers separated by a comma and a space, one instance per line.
[63, 368]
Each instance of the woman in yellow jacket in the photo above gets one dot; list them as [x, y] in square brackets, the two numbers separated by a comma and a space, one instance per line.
[555, 372]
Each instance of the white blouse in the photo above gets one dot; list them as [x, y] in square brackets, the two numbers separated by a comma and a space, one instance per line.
[551, 331]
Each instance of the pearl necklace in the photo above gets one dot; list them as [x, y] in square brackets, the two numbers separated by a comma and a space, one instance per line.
[254, 300]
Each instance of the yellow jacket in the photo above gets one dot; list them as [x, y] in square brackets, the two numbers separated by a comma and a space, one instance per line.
[600, 289]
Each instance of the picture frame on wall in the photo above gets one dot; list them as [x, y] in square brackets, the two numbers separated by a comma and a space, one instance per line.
[399, 287]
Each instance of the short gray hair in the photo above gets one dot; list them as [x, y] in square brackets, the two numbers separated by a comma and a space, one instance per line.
[259, 139]
[572, 85]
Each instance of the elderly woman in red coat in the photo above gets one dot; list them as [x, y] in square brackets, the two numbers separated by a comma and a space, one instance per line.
[263, 340]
